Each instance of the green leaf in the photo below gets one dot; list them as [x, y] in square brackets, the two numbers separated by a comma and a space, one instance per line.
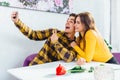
[91, 69]
[76, 69]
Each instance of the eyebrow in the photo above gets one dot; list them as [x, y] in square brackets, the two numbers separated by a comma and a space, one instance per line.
[72, 19]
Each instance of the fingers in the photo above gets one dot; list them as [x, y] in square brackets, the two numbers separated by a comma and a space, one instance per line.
[54, 31]
[54, 37]
[14, 14]
[81, 61]
[73, 44]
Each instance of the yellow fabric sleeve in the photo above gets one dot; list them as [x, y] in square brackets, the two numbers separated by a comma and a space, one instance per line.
[89, 47]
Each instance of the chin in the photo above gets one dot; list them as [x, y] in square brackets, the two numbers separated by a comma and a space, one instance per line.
[66, 30]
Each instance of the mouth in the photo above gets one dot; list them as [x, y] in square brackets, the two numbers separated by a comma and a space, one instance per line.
[67, 27]
[76, 27]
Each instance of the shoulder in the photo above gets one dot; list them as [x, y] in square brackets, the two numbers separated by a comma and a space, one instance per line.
[91, 34]
[60, 33]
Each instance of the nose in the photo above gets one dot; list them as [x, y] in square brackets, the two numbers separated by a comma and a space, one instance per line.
[67, 23]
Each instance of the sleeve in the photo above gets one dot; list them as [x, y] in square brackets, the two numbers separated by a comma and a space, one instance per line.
[89, 47]
[65, 54]
[33, 34]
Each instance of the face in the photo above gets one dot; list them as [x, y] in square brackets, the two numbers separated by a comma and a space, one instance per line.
[70, 25]
[79, 27]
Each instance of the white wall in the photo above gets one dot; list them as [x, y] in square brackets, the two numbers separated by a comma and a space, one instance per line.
[101, 13]
[115, 24]
[15, 47]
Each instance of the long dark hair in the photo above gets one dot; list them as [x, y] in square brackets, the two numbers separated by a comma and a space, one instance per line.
[89, 23]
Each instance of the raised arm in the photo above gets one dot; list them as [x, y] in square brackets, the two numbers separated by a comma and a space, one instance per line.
[31, 34]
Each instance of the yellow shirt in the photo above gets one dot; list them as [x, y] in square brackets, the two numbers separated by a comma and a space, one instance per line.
[95, 48]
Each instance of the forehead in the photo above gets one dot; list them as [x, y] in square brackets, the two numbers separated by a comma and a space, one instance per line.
[71, 18]
[78, 19]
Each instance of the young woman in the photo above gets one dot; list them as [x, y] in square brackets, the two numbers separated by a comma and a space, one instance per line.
[90, 45]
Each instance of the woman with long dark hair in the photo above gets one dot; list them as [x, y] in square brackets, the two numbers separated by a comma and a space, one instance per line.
[89, 44]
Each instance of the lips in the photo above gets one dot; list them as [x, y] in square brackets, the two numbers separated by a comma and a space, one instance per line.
[67, 27]
[76, 28]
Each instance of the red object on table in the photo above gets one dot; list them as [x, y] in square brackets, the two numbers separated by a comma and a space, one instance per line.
[60, 70]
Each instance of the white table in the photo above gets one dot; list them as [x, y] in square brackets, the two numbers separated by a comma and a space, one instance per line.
[47, 71]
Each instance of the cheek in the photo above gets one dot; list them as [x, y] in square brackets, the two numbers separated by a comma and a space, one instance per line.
[72, 26]
[79, 27]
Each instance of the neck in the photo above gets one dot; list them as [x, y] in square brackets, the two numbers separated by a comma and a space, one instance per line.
[70, 35]
[82, 33]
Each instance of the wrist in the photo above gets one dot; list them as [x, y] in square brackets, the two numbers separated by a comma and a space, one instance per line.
[16, 21]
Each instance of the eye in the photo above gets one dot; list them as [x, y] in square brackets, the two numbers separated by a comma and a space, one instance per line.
[77, 22]
[71, 21]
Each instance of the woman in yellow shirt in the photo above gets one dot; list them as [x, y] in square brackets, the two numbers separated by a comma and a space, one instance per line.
[90, 45]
